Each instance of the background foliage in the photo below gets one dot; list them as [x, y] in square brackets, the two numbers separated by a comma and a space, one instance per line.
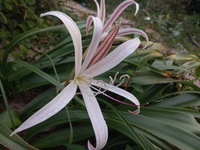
[18, 16]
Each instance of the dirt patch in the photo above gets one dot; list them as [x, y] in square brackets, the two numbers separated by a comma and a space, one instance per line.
[79, 10]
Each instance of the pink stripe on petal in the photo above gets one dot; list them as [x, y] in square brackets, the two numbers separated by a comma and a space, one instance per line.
[88, 23]
[103, 10]
[133, 31]
[90, 146]
[118, 11]
[119, 101]
[104, 47]
[96, 38]
[134, 112]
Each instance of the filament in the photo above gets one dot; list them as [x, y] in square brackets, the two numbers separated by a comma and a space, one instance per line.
[122, 78]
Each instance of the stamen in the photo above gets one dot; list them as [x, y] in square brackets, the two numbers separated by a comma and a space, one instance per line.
[100, 87]
[113, 80]
[119, 21]
[98, 91]
[105, 86]
[122, 78]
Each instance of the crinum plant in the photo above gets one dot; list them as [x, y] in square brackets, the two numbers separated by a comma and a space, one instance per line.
[97, 60]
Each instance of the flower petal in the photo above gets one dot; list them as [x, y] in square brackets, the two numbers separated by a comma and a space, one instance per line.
[96, 117]
[96, 38]
[98, 9]
[118, 11]
[118, 91]
[133, 31]
[114, 58]
[105, 45]
[50, 109]
[103, 11]
[75, 35]
[88, 24]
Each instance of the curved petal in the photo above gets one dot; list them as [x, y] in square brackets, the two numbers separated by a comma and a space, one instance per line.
[99, 125]
[133, 31]
[75, 35]
[118, 11]
[98, 9]
[88, 24]
[50, 109]
[120, 92]
[114, 58]
[103, 11]
[96, 38]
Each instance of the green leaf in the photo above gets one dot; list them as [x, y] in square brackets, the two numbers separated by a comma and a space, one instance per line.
[122, 129]
[38, 102]
[197, 72]
[146, 78]
[183, 100]
[161, 125]
[3, 18]
[151, 92]
[140, 139]
[14, 142]
[59, 118]
[8, 6]
[165, 130]
[183, 57]
[41, 73]
[75, 147]
[30, 2]
[194, 113]
[61, 137]
[5, 118]
[179, 119]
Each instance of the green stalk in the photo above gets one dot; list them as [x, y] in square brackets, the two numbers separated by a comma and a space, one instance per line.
[70, 125]
[67, 111]
[54, 68]
[6, 103]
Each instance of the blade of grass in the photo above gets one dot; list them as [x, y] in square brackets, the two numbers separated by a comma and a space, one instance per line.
[41, 73]
[6, 103]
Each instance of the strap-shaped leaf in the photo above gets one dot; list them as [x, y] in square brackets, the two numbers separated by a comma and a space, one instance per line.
[41, 73]
[13, 143]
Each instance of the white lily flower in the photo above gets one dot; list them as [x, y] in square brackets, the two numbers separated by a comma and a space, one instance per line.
[96, 62]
